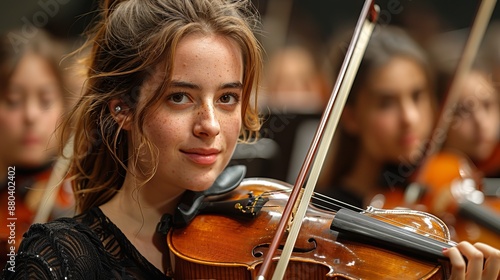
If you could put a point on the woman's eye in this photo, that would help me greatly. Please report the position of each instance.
(13, 100)
(45, 103)
(13, 103)
(229, 98)
(416, 94)
(487, 105)
(47, 98)
(385, 102)
(178, 98)
(462, 111)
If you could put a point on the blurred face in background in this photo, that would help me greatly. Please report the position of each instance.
(294, 82)
(476, 124)
(29, 111)
(393, 112)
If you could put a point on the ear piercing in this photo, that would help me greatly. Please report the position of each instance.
(118, 109)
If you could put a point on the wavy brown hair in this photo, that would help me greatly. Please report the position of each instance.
(132, 40)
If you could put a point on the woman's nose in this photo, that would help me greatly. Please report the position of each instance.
(207, 124)
(32, 110)
(410, 114)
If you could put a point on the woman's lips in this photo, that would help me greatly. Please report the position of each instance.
(202, 156)
(30, 141)
(409, 140)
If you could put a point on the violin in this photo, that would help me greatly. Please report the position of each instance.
(330, 245)
(452, 190)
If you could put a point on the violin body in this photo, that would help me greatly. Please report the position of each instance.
(469, 230)
(229, 248)
(449, 178)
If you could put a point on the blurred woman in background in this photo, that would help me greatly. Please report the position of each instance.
(33, 97)
(386, 121)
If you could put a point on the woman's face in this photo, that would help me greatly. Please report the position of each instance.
(198, 121)
(476, 124)
(29, 113)
(393, 112)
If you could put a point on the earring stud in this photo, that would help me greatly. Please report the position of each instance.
(118, 109)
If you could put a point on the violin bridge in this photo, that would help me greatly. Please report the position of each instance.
(295, 207)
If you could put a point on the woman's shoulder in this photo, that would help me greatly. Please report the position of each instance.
(75, 229)
(59, 230)
(61, 249)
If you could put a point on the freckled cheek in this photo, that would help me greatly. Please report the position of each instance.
(164, 132)
(231, 127)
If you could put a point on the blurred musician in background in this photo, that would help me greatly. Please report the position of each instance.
(33, 96)
(475, 126)
(387, 120)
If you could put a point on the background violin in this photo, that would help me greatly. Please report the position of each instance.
(453, 192)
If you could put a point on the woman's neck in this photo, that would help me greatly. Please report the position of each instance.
(136, 210)
(140, 208)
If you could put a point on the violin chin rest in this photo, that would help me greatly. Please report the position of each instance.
(191, 201)
(227, 181)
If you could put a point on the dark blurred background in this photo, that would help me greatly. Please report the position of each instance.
(316, 20)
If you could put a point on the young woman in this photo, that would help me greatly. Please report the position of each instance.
(33, 98)
(167, 98)
(386, 121)
(475, 129)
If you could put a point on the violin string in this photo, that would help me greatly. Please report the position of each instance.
(329, 201)
(334, 202)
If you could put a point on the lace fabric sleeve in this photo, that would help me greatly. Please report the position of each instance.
(59, 250)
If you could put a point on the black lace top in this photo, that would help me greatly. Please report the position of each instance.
(88, 246)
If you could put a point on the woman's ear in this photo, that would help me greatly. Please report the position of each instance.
(348, 120)
(121, 113)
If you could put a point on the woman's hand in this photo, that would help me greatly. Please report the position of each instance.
(483, 261)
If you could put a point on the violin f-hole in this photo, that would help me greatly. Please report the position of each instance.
(256, 252)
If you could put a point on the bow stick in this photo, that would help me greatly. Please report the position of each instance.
(321, 142)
